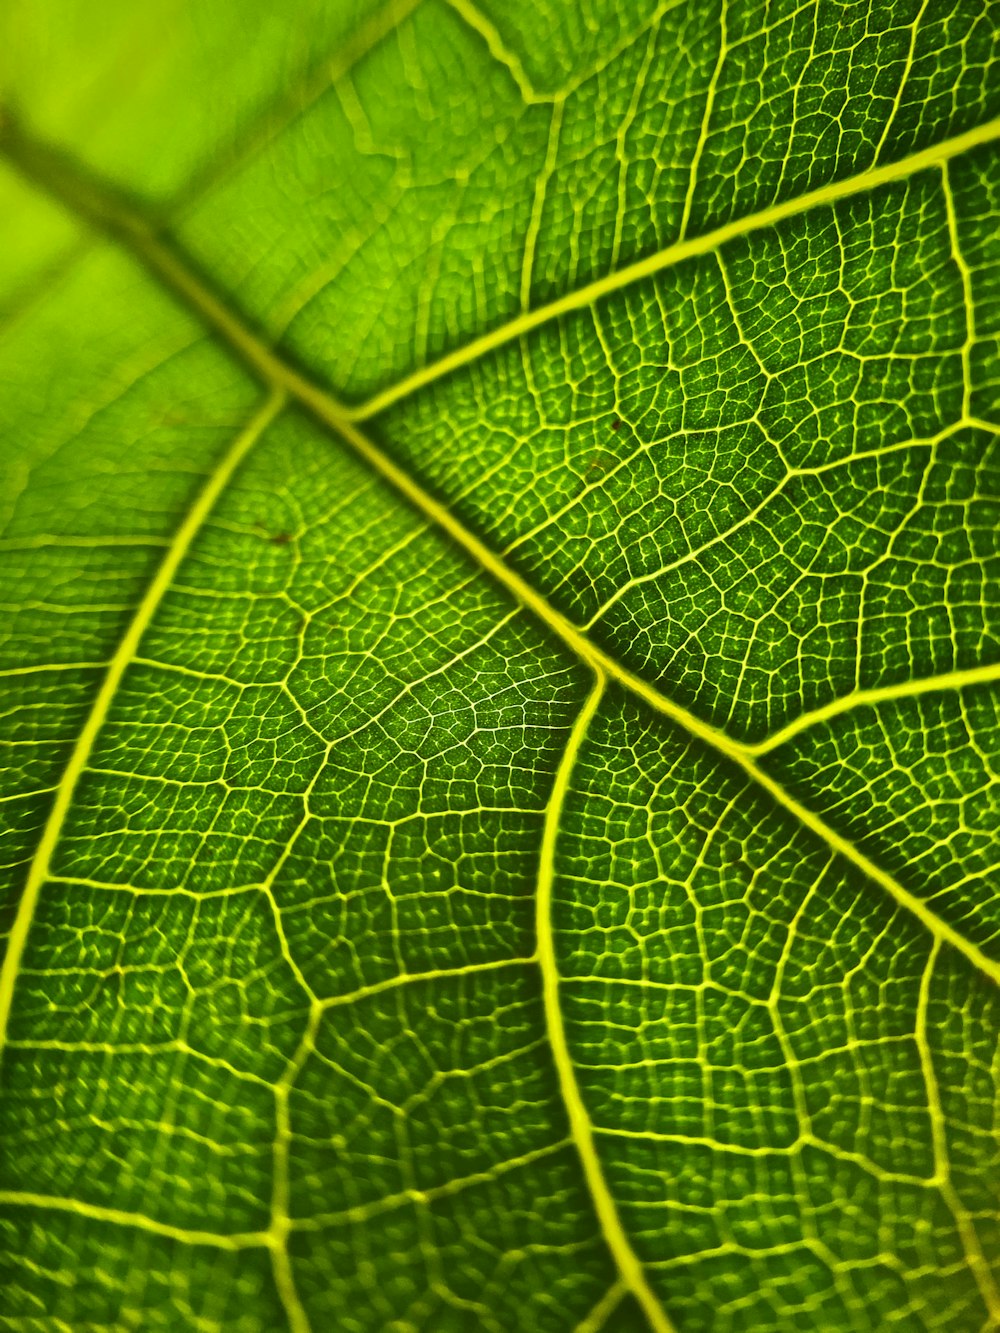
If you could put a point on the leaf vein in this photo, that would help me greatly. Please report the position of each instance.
(39, 869)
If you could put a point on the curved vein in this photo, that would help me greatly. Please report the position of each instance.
(481, 24)
(978, 1262)
(581, 1129)
(38, 871)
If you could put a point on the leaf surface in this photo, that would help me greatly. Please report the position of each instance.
(501, 640)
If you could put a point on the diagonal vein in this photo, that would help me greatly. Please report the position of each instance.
(38, 871)
(672, 255)
(294, 100)
(134, 1221)
(960, 679)
(97, 203)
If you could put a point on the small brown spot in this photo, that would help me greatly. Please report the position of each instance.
(281, 538)
(615, 424)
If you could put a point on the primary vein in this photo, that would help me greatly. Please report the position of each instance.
(53, 172)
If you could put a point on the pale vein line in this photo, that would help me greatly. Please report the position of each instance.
(267, 126)
(60, 177)
(603, 1310)
(45, 541)
(581, 1128)
(46, 668)
(968, 302)
(498, 49)
(292, 103)
(904, 79)
(538, 205)
(39, 869)
(904, 689)
(675, 254)
(706, 119)
(138, 1221)
(364, 1212)
(51, 172)
(409, 978)
(281, 1217)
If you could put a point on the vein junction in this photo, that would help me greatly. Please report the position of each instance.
(285, 382)
(103, 209)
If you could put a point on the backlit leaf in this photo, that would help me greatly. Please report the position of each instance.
(500, 649)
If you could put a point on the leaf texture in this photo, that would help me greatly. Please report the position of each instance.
(501, 637)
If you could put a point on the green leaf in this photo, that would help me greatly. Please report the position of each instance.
(501, 639)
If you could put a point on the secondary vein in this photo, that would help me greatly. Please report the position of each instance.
(136, 1221)
(38, 871)
(581, 1129)
(672, 255)
(960, 679)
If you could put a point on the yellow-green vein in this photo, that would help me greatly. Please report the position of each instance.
(38, 871)
(138, 1221)
(104, 209)
(295, 98)
(979, 1264)
(904, 689)
(674, 254)
(617, 1240)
